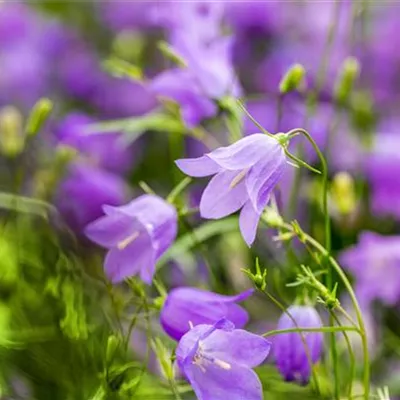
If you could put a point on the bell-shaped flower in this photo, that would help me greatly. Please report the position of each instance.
(291, 355)
(245, 173)
(187, 306)
(218, 360)
(375, 263)
(136, 235)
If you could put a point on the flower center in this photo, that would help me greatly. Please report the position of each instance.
(201, 360)
(125, 242)
(238, 178)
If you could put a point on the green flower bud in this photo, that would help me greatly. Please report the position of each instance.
(343, 193)
(39, 115)
(12, 141)
(345, 82)
(293, 79)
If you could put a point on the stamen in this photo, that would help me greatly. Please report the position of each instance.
(238, 178)
(222, 364)
(190, 324)
(125, 242)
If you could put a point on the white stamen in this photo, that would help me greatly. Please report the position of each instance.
(125, 242)
(222, 364)
(238, 178)
(190, 324)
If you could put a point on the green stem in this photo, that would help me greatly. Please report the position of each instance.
(351, 355)
(347, 284)
(324, 329)
(327, 224)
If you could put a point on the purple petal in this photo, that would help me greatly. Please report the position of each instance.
(184, 305)
(220, 199)
(198, 167)
(237, 347)
(245, 152)
(157, 216)
(248, 222)
(216, 383)
(135, 258)
(111, 229)
(263, 176)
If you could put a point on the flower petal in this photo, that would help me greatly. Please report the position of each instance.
(109, 230)
(198, 167)
(245, 152)
(215, 383)
(263, 176)
(220, 198)
(237, 347)
(190, 305)
(157, 217)
(248, 222)
(135, 258)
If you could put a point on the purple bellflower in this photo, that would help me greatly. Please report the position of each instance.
(186, 305)
(83, 192)
(245, 174)
(136, 235)
(102, 150)
(375, 263)
(290, 353)
(218, 360)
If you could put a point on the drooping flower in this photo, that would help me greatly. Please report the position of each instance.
(290, 353)
(83, 192)
(136, 235)
(186, 305)
(245, 172)
(375, 263)
(102, 150)
(218, 360)
(382, 168)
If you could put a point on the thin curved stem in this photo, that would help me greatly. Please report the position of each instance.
(324, 329)
(351, 355)
(362, 332)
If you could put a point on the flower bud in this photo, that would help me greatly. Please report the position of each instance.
(11, 136)
(293, 79)
(343, 193)
(345, 82)
(291, 355)
(38, 116)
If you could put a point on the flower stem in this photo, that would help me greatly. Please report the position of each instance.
(323, 329)
(362, 332)
(351, 355)
(327, 224)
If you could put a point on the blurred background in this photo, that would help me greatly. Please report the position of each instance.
(135, 85)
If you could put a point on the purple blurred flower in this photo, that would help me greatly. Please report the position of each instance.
(136, 235)
(218, 360)
(199, 21)
(245, 175)
(83, 192)
(17, 21)
(122, 98)
(195, 34)
(187, 305)
(290, 354)
(180, 86)
(375, 262)
(383, 169)
(122, 15)
(103, 150)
